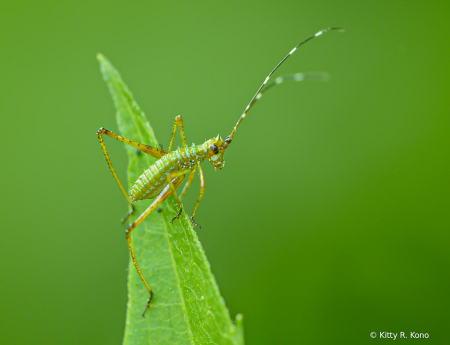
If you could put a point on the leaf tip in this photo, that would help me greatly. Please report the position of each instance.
(100, 57)
(239, 322)
(239, 329)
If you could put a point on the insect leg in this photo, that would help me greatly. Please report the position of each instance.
(170, 177)
(151, 150)
(200, 195)
(108, 160)
(188, 184)
(178, 123)
(158, 201)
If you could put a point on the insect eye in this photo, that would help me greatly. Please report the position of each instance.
(215, 149)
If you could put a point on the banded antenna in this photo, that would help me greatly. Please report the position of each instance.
(258, 93)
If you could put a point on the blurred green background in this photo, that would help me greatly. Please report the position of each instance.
(331, 218)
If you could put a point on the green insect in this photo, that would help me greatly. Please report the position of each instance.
(162, 179)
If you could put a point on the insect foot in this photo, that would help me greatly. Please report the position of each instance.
(128, 215)
(148, 304)
(178, 215)
(194, 224)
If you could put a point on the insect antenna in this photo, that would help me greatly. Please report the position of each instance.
(322, 76)
(259, 92)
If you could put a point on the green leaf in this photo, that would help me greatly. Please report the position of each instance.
(187, 307)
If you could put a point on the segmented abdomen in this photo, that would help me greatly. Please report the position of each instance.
(152, 182)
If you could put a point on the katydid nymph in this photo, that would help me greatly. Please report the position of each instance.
(163, 178)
